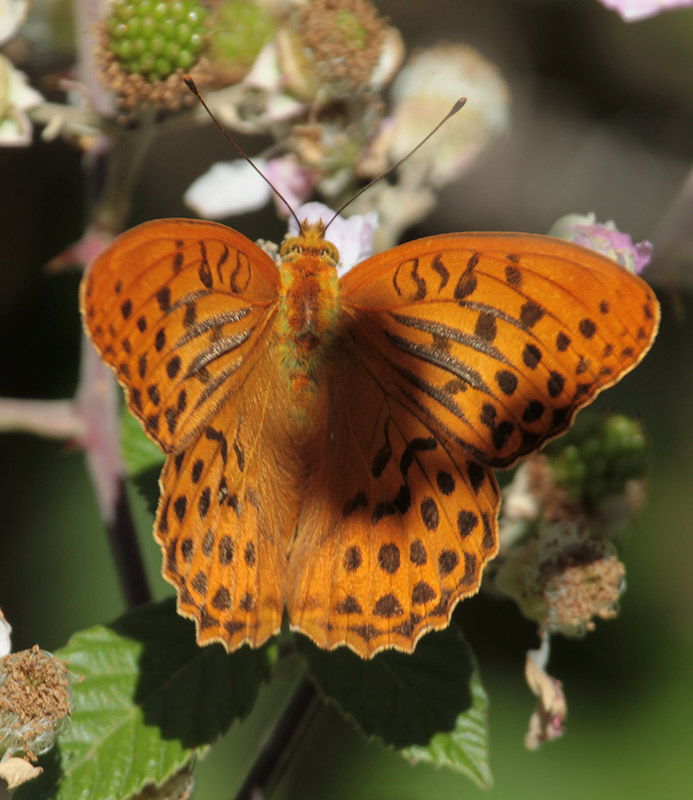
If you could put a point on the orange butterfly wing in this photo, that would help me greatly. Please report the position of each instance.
(499, 337)
(397, 520)
(177, 308)
(457, 353)
(228, 509)
(183, 311)
(375, 514)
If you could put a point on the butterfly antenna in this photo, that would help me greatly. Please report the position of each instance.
(190, 83)
(456, 107)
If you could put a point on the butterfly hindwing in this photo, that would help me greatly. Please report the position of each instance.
(396, 524)
(228, 508)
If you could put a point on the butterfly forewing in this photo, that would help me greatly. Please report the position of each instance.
(498, 339)
(178, 308)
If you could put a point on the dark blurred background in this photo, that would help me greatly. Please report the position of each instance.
(602, 121)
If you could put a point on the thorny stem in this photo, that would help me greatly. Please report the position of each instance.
(274, 756)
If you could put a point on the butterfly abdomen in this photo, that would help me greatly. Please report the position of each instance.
(308, 311)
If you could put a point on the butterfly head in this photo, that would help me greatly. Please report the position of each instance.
(309, 242)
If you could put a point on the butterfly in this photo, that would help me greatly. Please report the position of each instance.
(330, 443)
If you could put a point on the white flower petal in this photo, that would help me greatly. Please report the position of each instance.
(425, 90)
(631, 10)
(390, 59)
(228, 188)
(265, 73)
(12, 14)
(16, 97)
(310, 212)
(5, 631)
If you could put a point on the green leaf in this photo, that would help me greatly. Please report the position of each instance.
(139, 451)
(146, 700)
(143, 459)
(430, 705)
(464, 749)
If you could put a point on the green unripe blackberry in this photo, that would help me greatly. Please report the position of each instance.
(154, 39)
(241, 29)
(598, 457)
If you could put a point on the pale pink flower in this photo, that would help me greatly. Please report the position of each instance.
(633, 10)
(604, 238)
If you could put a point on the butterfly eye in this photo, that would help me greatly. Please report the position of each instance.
(329, 251)
(288, 247)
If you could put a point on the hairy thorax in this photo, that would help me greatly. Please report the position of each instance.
(309, 309)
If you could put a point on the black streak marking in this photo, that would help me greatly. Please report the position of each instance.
(429, 513)
(513, 275)
(442, 360)
(173, 367)
(445, 482)
(531, 356)
(438, 266)
(359, 500)
(416, 445)
(205, 271)
(587, 328)
(383, 456)
(438, 330)
(555, 384)
(530, 314)
(485, 327)
(163, 298)
(242, 263)
(562, 342)
(217, 349)
(213, 323)
(222, 260)
(413, 266)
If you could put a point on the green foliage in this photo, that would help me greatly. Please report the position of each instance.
(143, 459)
(598, 456)
(147, 700)
(464, 748)
(139, 451)
(430, 705)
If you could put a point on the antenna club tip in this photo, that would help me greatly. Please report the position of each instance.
(458, 105)
(190, 83)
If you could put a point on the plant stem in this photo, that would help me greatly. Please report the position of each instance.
(122, 537)
(274, 756)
